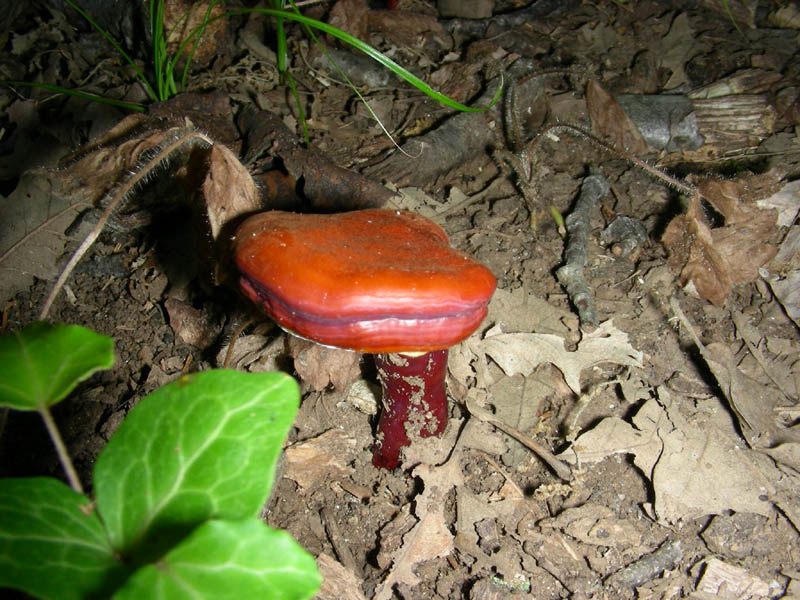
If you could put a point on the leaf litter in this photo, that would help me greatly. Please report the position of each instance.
(669, 438)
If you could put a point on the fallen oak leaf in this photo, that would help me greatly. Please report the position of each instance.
(697, 466)
(523, 352)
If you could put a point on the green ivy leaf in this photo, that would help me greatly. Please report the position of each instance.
(229, 559)
(200, 448)
(52, 544)
(43, 363)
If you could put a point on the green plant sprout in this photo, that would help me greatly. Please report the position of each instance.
(163, 65)
(177, 489)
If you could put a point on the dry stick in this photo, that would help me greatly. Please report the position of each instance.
(560, 468)
(648, 567)
(139, 176)
(571, 274)
(338, 541)
(679, 185)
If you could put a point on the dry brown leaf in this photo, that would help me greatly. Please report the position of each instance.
(255, 353)
(392, 535)
(195, 326)
(228, 190)
(690, 244)
(517, 401)
(311, 460)
(787, 291)
(183, 18)
(609, 121)
(33, 219)
(518, 310)
(471, 509)
(675, 49)
(787, 17)
(405, 28)
(430, 538)
(338, 582)
(786, 201)
(714, 260)
(753, 402)
(692, 253)
(697, 467)
(320, 366)
(350, 16)
(611, 436)
(597, 525)
(523, 352)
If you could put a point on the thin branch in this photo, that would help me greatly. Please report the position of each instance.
(571, 274)
(679, 185)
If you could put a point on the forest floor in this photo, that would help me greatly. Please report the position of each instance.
(673, 414)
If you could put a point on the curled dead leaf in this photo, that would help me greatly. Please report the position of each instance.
(716, 259)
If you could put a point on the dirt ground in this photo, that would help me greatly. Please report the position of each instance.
(672, 413)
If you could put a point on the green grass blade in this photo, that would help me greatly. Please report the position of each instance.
(199, 448)
(229, 559)
(353, 87)
(159, 48)
(139, 75)
(52, 543)
(194, 37)
(301, 113)
(369, 51)
(43, 363)
(77, 93)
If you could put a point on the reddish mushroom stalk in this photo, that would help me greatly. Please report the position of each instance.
(380, 281)
(414, 401)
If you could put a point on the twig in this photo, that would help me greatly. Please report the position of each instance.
(559, 468)
(337, 541)
(624, 234)
(139, 175)
(571, 274)
(648, 567)
(679, 185)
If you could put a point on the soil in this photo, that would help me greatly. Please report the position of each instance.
(694, 346)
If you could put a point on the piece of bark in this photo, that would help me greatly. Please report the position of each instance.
(731, 122)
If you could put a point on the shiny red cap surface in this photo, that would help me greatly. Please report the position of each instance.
(370, 280)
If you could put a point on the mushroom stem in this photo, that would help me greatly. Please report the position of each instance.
(414, 402)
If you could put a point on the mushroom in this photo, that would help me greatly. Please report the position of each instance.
(378, 281)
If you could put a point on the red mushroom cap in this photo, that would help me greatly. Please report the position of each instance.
(369, 280)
